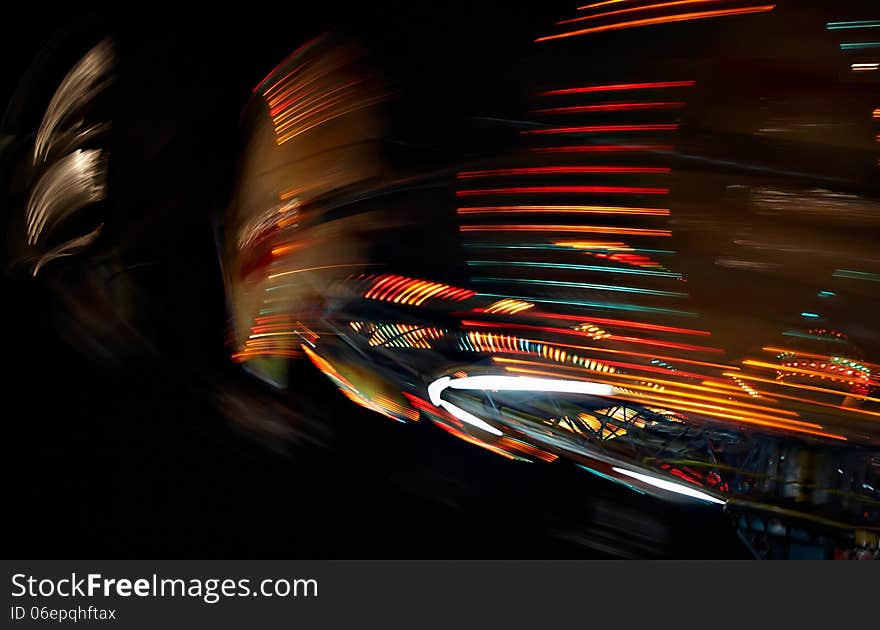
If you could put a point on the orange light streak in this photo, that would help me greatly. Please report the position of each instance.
(647, 7)
(682, 17)
(818, 357)
(705, 409)
(596, 229)
(811, 388)
(855, 376)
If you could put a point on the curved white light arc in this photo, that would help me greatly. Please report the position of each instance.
(492, 382)
(669, 485)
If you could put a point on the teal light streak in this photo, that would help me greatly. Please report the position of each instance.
(806, 314)
(610, 478)
(826, 294)
(543, 265)
(838, 26)
(856, 275)
(584, 285)
(859, 45)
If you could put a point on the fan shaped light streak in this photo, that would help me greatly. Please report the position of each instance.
(89, 77)
(507, 306)
(69, 184)
(666, 19)
(413, 292)
(669, 486)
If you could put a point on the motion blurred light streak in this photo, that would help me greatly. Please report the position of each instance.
(624, 324)
(561, 170)
(572, 267)
(508, 306)
(591, 245)
(584, 285)
(567, 331)
(319, 268)
(836, 26)
(859, 45)
(619, 87)
(564, 190)
(615, 306)
(682, 17)
(601, 4)
(400, 289)
(856, 275)
(670, 486)
(721, 412)
(659, 212)
(596, 229)
(73, 182)
(611, 107)
(645, 7)
(601, 129)
(821, 390)
(605, 148)
(89, 77)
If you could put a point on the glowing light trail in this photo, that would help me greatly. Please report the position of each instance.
(667, 19)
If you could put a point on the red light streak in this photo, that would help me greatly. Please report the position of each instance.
(666, 344)
(620, 87)
(611, 107)
(286, 59)
(600, 129)
(562, 170)
(604, 148)
(529, 190)
(622, 323)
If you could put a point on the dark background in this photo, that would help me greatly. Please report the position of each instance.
(148, 455)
